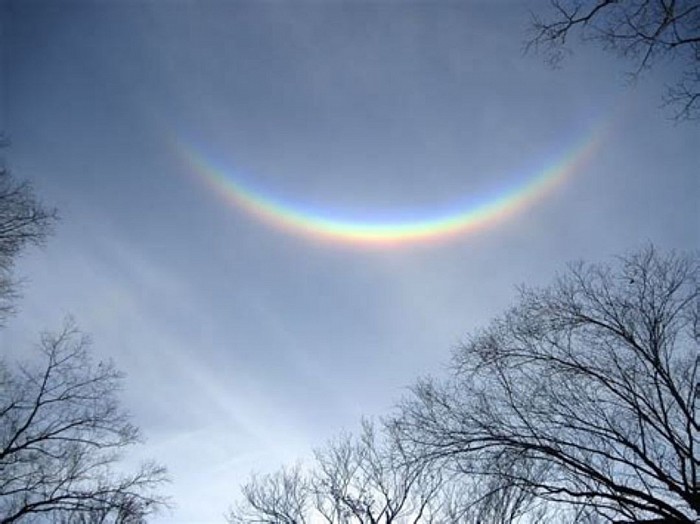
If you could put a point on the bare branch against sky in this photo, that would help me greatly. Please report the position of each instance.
(592, 383)
(276, 215)
(62, 433)
(646, 32)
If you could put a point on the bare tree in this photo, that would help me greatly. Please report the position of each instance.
(23, 221)
(370, 480)
(584, 394)
(362, 480)
(62, 434)
(283, 497)
(644, 31)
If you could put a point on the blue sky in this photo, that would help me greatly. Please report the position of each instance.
(246, 345)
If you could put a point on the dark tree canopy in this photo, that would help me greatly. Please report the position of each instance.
(647, 32)
(584, 394)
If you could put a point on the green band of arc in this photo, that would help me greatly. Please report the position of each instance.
(328, 225)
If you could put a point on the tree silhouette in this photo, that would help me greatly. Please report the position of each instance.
(584, 394)
(646, 32)
(579, 405)
(370, 479)
(62, 433)
(362, 480)
(23, 221)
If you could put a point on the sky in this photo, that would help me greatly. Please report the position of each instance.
(275, 216)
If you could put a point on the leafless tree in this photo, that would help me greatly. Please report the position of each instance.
(62, 434)
(23, 221)
(645, 31)
(283, 497)
(362, 480)
(584, 394)
(370, 480)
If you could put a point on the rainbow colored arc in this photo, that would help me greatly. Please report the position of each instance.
(327, 224)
